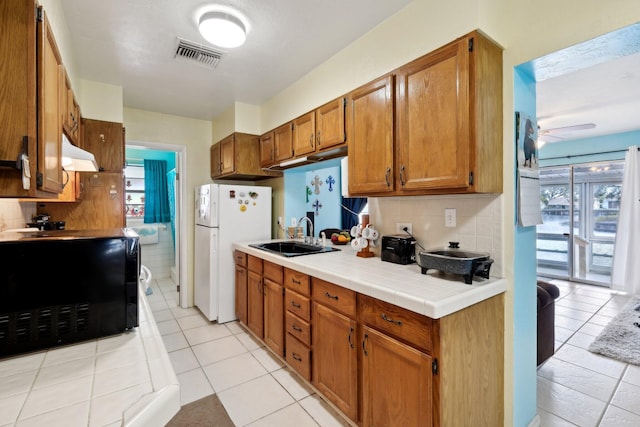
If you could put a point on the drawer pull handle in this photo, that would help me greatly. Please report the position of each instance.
(386, 177)
(297, 282)
(295, 304)
(350, 332)
(296, 357)
(364, 344)
(390, 320)
(335, 297)
(296, 328)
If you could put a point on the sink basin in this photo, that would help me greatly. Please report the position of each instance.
(292, 248)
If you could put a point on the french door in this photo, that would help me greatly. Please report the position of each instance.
(580, 206)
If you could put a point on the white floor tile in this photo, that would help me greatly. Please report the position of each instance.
(581, 340)
(162, 315)
(235, 327)
(322, 413)
(57, 396)
(568, 323)
(578, 378)
(233, 371)
(618, 417)
(109, 408)
(291, 416)
(591, 329)
(19, 364)
(193, 386)
(168, 327)
(600, 319)
(572, 313)
(632, 375)
(10, 408)
(547, 419)
(50, 375)
(268, 360)
(115, 359)
(66, 354)
(214, 351)
(175, 341)
(576, 305)
(193, 321)
(117, 379)
(183, 360)
(75, 415)
(594, 362)
(206, 333)
(179, 312)
(292, 383)
(17, 384)
(255, 399)
(248, 341)
(627, 396)
(569, 404)
(562, 334)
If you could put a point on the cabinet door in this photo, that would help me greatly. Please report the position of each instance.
(283, 142)
(241, 294)
(433, 120)
(396, 382)
(370, 138)
(330, 130)
(274, 316)
(304, 129)
(18, 107)
(335, 358)
(216, 164)
(267, 155)
(227, 155)
(255, 309)
(50, 119)
(106, 141)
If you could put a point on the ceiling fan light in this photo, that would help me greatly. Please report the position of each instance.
(222, 29)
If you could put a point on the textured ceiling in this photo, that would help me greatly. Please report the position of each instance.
(131, 43)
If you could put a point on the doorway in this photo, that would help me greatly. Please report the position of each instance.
(178, 272)
(575, 241)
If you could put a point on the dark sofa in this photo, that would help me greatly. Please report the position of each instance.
(547, 294)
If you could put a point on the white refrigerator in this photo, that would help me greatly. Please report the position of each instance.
(225, 214)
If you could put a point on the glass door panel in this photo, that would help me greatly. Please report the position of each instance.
(553, 234)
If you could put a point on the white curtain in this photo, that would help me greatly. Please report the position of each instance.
(626, 253)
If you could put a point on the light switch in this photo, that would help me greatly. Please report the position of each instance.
(450, 217)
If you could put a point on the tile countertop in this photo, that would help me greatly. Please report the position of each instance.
(433, 294)
(119, 380)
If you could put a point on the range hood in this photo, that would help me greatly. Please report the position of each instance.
(311, 158)
(76, 159)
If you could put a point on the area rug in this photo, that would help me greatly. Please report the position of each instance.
(206, 412)
(620, 339)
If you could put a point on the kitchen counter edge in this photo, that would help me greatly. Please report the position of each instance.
(433, 295)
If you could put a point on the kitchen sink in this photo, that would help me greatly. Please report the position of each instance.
(292, 248)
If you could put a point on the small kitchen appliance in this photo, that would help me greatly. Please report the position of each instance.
(454, 260)
(398, 249)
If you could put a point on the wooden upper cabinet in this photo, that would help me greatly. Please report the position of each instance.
(267, 154)
(105, 140)
(304, 134)
(283, 142)
(50, 85)
(70, 111)
(18, 120)
(370, 137)
(238, 157)
(330, 124)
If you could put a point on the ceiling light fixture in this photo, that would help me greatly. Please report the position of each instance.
(222, 29)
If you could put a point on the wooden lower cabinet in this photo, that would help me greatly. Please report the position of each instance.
(335, 358)
(274, 316)
(255, 297)
(241, 294)
(396, 382)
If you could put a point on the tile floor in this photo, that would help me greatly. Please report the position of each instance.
(255, 388)
(575, 386)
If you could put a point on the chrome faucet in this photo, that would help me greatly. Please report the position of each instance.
(308, 239)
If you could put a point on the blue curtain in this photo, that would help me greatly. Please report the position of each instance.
(353, 204)
(156, 193)
(171, 180)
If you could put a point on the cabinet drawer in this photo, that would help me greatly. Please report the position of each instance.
(334, 296)
(296, 281)
(273, 271)
(405, 325)
(254, 263)
(298, 356)
(297, 304)
(240, 258)
(298, 328)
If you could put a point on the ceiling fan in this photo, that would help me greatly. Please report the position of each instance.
(555, 134)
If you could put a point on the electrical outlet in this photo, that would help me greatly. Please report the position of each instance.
(401, 225)
(450, 217)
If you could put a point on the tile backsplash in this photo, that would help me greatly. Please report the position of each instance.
(14, 214)
(478, 221)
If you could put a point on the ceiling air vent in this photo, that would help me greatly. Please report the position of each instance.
(196, 52)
